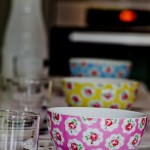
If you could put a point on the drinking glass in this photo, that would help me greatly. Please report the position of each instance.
(28, 94)
(19, 130)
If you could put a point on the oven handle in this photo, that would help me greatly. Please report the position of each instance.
(135, 39)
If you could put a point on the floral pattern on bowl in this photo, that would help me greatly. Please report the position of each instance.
(98, 94)
(83, 133)
(100, 68)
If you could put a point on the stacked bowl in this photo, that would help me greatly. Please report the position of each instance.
(100, 92)
(88, 67)
(100, 83)
(97, 92)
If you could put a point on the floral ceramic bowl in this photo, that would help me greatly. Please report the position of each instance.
(88, 67)
(96, 92)
(84, 128)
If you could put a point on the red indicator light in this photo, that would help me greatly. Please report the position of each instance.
(127, 16)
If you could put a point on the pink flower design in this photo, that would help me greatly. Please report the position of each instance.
(94, 73)
(108, 95)
(129, 125)
(72, 126)
(88, 121)
(58, 136)
(108, 70)
(74, 144)
(69, 86)
(92, 137)
(56, 118)
(109, 124)
(75, 99)
(95, 103)
(134, 141)
(88, 91)
(142, 123)
(115, 141)
(124, 96)
(114, 106)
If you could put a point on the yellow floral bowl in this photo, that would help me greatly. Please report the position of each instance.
(100, 92)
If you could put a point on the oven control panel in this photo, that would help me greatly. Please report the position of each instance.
(118, 17)
(82, 13)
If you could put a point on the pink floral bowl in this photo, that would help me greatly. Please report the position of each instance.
(100, 92)
(84, 128)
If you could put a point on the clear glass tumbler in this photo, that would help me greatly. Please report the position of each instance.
(31, 95)
(19, 130)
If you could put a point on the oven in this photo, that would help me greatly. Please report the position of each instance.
(121, 33)
(74, 13)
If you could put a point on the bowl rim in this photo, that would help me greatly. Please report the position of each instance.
(99, 80)
(101, 113)
(100, 61)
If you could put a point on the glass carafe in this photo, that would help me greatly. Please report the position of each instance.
(25, 38)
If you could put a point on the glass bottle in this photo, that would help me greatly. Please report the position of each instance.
(25, 43)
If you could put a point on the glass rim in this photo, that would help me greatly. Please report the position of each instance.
(19, 113)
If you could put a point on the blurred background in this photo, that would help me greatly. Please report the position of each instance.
(115, 29)
(38, 38)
